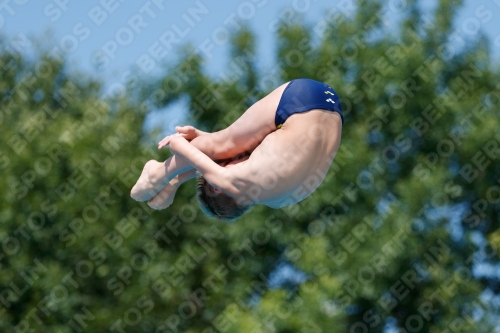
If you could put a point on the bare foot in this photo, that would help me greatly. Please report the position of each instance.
(149, 183)
(164, 198)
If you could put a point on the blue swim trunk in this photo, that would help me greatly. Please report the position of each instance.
(302, 95)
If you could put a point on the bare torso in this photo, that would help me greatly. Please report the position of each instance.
(291, 162)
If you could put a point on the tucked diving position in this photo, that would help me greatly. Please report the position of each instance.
(276, 154)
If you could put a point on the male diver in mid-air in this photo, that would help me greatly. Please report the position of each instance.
(276, 154)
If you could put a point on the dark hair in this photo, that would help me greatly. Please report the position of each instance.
(218, 204)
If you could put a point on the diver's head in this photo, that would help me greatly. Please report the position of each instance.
(216, 203)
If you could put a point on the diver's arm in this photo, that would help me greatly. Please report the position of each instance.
(216, 175)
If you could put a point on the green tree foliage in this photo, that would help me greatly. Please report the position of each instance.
(393, 238)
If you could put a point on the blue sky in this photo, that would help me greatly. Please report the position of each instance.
(107, 37)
